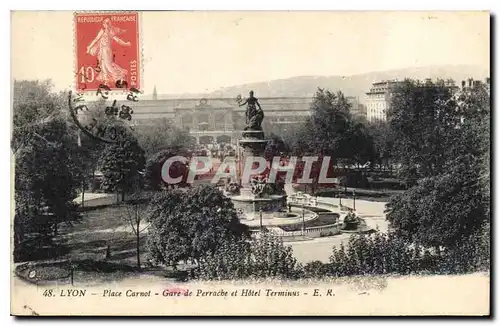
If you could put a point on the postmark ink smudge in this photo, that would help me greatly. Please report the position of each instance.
(104, 128)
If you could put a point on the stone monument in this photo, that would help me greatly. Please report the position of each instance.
(256, 198)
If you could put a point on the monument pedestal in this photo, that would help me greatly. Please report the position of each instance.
(252, 205)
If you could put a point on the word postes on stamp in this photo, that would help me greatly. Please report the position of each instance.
(107, 51)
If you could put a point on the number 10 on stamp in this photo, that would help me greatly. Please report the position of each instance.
(107, 50)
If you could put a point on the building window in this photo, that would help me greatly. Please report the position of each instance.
(220, 123)
(203, 117)
(187, 121)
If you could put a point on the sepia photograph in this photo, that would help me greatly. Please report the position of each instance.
(250, 163)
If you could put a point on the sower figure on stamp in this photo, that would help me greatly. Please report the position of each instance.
(100, 47)
(254, 114)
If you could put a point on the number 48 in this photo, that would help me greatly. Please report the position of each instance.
(87, 74)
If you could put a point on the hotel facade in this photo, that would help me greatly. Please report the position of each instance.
(378, 99)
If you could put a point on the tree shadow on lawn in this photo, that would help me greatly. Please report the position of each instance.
(122, 247)
(101, 219)
(37, 251)
(126, 250)
(87, 239)
(92, 267)
(99, 229)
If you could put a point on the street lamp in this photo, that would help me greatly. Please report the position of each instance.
(303, 221)
(260, 216)
(254, 210)
(354, 199)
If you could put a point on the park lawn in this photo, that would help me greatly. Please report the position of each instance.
(98, 228)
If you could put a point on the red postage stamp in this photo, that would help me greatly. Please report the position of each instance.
(107, 51)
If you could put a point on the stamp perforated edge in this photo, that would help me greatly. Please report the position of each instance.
(140, 53)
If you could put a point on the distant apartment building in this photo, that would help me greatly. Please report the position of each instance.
(378, 99)
(470, 84)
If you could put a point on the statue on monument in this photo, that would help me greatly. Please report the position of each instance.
(254, 114)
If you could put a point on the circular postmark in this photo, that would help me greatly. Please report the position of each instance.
(105, 118)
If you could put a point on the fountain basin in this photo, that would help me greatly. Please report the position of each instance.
(249, 205)
(278, 218)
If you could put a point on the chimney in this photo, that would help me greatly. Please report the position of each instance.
(487, 80)
(470, 81)
(463, 83)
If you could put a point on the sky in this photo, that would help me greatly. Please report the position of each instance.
(193, 52)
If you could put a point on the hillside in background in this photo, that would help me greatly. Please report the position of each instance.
(355, 85)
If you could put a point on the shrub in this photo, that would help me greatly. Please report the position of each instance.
(231, 261)
(315, 269)
(262, 257)
(390, 254)
(373, 254)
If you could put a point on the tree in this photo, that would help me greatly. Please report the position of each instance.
(47, 172)
(154, 165)
(473, 141)
(136, 209)
(90, 149)
(424, 120)
(447, 205)
(275, 147)
(89, 153)
(163, 135)
(47, 169)
(329, 125)
(122, 164)
(383, 142)
(439, 211)
(361, 143)
(186, 225)
(333, 131)
(284, 135)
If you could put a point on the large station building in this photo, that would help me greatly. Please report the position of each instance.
(221, 120)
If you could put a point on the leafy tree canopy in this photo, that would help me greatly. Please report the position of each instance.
(122, 164)
(189, 224)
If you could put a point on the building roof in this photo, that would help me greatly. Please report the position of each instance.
(281, 104)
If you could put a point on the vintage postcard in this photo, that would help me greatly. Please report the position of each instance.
(250, 163)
